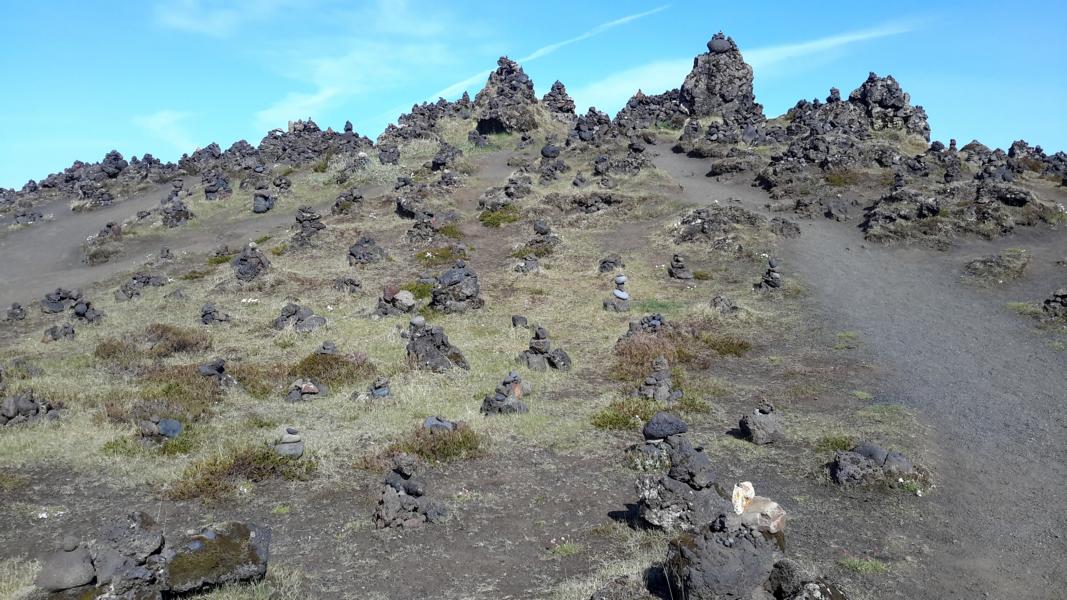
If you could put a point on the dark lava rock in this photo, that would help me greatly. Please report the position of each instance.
(662, 425)
(428, 348)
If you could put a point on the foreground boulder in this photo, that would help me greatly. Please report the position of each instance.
(133, 559)
(428, 348)
(719, 561)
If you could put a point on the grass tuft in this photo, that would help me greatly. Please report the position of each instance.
(333, 370)
(500, 217)
(864, 566)
(217, 477)
(624, 414)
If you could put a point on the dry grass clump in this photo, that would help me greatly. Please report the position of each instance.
(260, 380)
(624, 414)
(180, 391)
(334, 369)
(217, 477)
(462, 443)
(634, 355)
(158, 341)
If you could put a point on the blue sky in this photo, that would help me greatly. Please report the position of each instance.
(81, 78)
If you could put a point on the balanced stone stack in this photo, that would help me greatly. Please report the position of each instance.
(174, 213)
(210, 314)
(403, 502)
(15, 313)
(395, 301)
(428, 348)
(649, 324)
(772, 278)
(26, 407)
(132, 287)
(507, 398)
(653, 454)
(290, 444)
(559, 103)
(457, 290)
(678, 268)
(304, 390)
(216, 185)
(308, 225)
(541, 356)
(685, 497)
(365, 251)
(658, 386)
(544, 240)
(620, 298)
(1055, 306)
(56, 333)
(249, 263)
(721, 84)
(761, 426)
(301, 318)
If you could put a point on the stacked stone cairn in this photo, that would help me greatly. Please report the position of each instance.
(308, 225)
(210, 315)
(507, 398)
(428, 348)
(620, 298)
(27, 407)
(457, 290)
(301, 318)
(678, 269)
(658, 386)
(249, 263)
(403, 502)
(540, 355)
(761, 426)
(772, 278)
(289, 443)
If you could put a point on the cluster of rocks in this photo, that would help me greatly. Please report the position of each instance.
(761, 426)
(507, 398)
(210, 315)
(559, 103)
(541, 356)
(16, 312)
(868, 463)
(403, 502)
(56, 333)
(395, 301)
(347, 285)
(507, 102)
(428, 348)
(27, 407)
(289, 443)
(174, 212)
(157, 430)
(216, 185)
(658, 385)
(304, 390)
(620, 298)
(365, 251)
(610, 263)
(652, 324)
(594, 127)
(725, 305)
(685, 498)
(772, 278)
(308, 225)
(301, 318)
(586, 203)
(379, 389)
(60, 300)
(249, 263)
(1055, 306)
(347, 202)
(457, 290)
(304, 142)
(131, 288)
(263, 201)
(678, 268)
(420, 123)
(134, 558)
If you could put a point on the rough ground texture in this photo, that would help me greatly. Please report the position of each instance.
(821, 262)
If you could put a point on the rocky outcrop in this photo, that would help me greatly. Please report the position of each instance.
(507, 103)
(558, 103)
(720, 84)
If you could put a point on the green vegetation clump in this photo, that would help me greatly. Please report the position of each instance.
(193, 275)
(421, 291)
(333, 369)
(184, 392)
(500, 217)
(440, 446)
(451, 231)
(436, 257)
(219, 259)
(835, 443)
(217, 477)
(260, 380)
(864, 566)
(624, 414)
(842, 178)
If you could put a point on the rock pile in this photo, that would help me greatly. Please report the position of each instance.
(1055, 306)
(592, 128)
(685, 498)
(620, 298)
(658, 385)
(15, 313)
(289, 443)
(379, 389)
(772, 278)
(347, 202)
(59, 301)
(678, 269)
(365, 251)
(132, 287)
(135, 559)
(56, 333)
(612, 262)
(457, 290)
(216, 185)
(249, 263)
(174, 212)
(263, 201)
(506, 104)
(725, 305)
(308, 225)
(721, 84)
(27, 407)
(507, 398)
(403, 502)
(528, 264)
(301, 318)
(347, 285)
(84, 311)
(428, 348)
(869, 463)
(158, 430)
(210, 314)
(761, 426)
(541, 355)
(558, 102)
(304, 390)
(395, 301)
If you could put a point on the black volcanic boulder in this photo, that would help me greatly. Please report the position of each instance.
(250, 263)
(428, 348)
(719, 562)
(721, 83)
(457, 290)
(506, 104)
(365, 251)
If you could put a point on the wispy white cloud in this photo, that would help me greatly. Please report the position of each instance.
(167, 126)
(213, 18)
(458, 87)
(611, 92)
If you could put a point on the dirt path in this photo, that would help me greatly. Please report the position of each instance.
(989, 386)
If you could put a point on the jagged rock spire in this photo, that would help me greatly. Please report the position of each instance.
(506, 103)
(721, 84)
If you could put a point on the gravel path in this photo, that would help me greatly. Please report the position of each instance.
(990, 388)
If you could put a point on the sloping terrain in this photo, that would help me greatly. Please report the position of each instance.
(801, 280)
